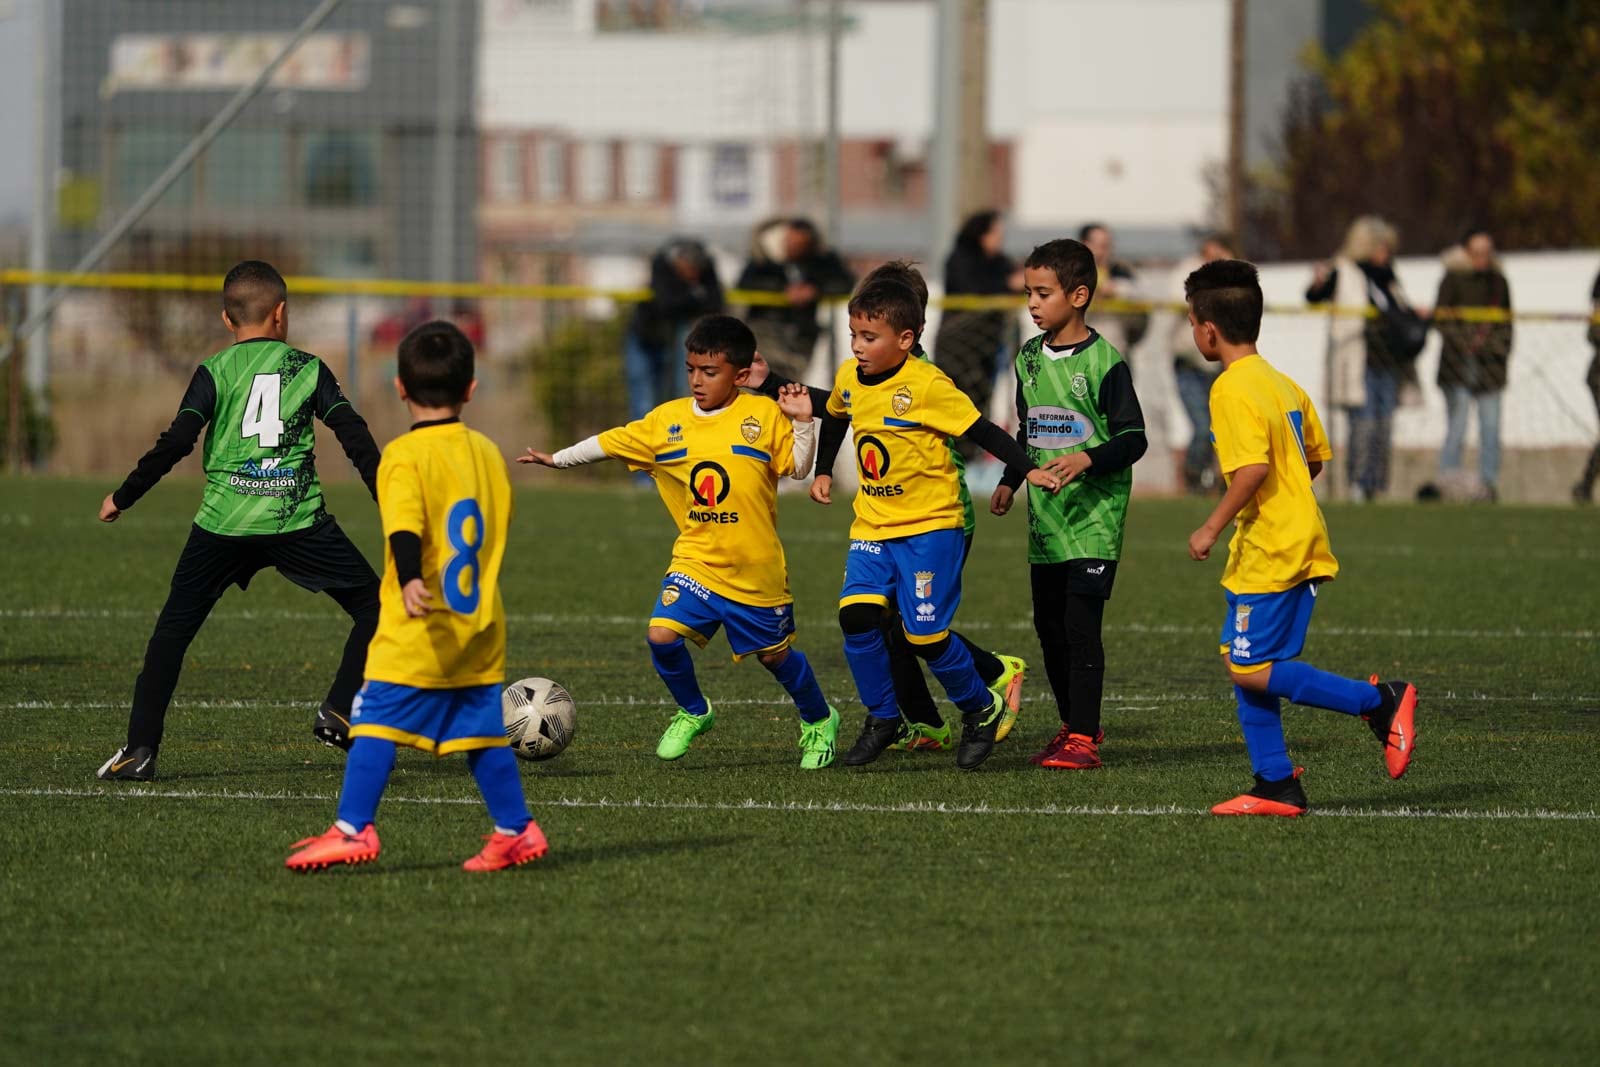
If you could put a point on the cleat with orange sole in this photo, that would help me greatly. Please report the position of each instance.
(1399, 732)
(1009, 686)
(506, 850)
(1080, 753)
(334, 847)
(1285, 799)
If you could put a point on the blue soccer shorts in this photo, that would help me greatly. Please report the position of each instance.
(1264, 628)
(688, 608)
(920, 575)
(440, 721)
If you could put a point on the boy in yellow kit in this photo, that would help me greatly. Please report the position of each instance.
(435, 667)
(1271, 446)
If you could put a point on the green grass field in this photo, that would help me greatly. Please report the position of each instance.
(731, 908)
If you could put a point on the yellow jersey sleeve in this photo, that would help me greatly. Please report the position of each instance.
(633, 443)
(1241, 434)
(948, 410)
(1318, 450)
(402, 503)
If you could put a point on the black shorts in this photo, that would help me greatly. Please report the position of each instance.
(320, 557)
(1078, 577)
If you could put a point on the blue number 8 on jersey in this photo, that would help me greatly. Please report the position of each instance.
(464, 530)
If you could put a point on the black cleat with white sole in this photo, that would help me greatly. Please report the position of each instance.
(331, 728)
(129, 765)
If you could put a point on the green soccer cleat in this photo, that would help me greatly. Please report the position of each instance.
(926, 738)
(682, 731)
(818, 741)
(1009, 685)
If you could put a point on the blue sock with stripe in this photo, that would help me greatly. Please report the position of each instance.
(868, 657)
(501, 785)
(1263, 734)
(1304, 684)
(676, 668)
(800, 682)
(959, 676)
(366, 772)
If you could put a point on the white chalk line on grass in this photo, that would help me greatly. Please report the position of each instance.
(843, 807)
(638, 620)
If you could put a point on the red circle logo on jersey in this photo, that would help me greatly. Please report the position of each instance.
(709, 484)
(872, 458)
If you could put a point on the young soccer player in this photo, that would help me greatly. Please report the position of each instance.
(436, 664)
(1271, 446)
(716, 457)
(922, 728)
(262, 506)
(1078, 415)
(907, 545)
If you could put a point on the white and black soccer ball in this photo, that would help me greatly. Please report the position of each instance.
(540, 718)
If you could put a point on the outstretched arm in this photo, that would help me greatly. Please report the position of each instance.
(340, 416)
(1002, 446)
(176, 441)
(586, 451)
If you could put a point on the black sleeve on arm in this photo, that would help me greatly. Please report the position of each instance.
(1124, 421)
(775, 381)
(829, 441)
(176, 441)
(999, 444)
(1012, 478)
(1321, 293)
(406, 547)
(340, 416)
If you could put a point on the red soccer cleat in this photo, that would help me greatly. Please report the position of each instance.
(333, 847)
(1080, 753)
(1057, 743)
(1284, 799)
(1395, 724)
(506, 850)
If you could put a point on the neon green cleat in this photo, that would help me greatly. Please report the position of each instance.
(925, 738)
(682, 731)
(818, 741)
(1009, 685)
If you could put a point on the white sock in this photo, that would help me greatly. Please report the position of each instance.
(346, 827)
(508, 833)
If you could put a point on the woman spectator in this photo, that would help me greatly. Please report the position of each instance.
(1473, 358)
(1368, 364)
(683, 287)
(789, 258)
(970, 343)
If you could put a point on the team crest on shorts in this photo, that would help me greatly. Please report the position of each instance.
(751, 428)
(901, 401)
(1241, 618)
(1080, 386)
(669, 595)
(924, 584)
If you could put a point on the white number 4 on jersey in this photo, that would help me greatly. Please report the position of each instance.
(262, 419)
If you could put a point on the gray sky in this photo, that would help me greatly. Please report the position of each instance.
(17, 92)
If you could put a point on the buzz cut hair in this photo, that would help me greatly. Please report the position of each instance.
(1227, 294)
(251, 290)
(1071, 262)
(892, 301)
(722, 335)
(436, 365)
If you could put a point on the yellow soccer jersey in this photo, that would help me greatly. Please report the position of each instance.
(718, 476)
(1259, 415)
(448, 485)
(909, 483)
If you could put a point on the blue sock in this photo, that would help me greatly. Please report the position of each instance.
(868, 657)
(798, 679)
(1304, 684)
(676, 668)
(1263, 734)
(959, 676)
(366, 772)
(501, 785)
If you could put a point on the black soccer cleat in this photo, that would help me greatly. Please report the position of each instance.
(978, 730)
(876, 737)
(331, 728)
(1285, 797)
(129, 765)
(1394, 724)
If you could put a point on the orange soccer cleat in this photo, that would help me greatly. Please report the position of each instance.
(1079, 753)
(1395, 724)
(335, 846)
(1284, 798)
(508, 850)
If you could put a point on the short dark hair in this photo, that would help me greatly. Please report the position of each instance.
(892, 301)
(1227, 294)
(1089, 227)
(250, 292)
(1071, 261)
(723, 335)
(436, 364)
(903, 271)
(1475, 230)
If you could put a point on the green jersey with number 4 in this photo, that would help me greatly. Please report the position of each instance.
(261, 475)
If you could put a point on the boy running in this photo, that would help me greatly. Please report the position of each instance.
(716, 457)
(262, 506)
(1271, 446)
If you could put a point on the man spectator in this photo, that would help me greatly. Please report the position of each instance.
(804, 271)
(683, 287)
(1193, 375)
(1122, 329)
(1473, 357)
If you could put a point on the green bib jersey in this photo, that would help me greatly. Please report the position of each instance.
(1073, 399)
(969, 517)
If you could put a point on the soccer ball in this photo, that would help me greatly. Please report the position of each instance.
(540, 718)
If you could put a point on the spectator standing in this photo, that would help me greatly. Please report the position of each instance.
(1192, 374)
(970, 343)
(1474, 357)
(1121, 329)
(1583, 492)
(683, 287)
(804, 270)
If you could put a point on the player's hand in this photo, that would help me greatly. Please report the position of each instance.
(794, 400)
(1000, 502)
(1045, 479)
(758, 372)
(1069, 466)
(1200, 543)
(417, 599)
(543, 459)
(822, 489)
(109, 511)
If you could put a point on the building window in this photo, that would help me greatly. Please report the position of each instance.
(505, 170)
(594, 172)
(341, 170)
(641, 172)
(730, 175)
(141, 156)
(247, 168)
(550, 164)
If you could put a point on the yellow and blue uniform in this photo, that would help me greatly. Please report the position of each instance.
(907, 541)
(1280, 550)
(434, 682)
(717, 473)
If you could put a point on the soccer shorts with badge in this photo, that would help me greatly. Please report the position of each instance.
(920, 576)
(689, 609)
(440, 721)
(1264, 628)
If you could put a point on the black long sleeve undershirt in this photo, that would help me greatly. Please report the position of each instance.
(340, 416)
(1124, 421)
(176, 441)
(1001, 445)
(406, 547)
(832, 428)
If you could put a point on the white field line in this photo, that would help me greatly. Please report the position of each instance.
(820, 622)
(916, 807)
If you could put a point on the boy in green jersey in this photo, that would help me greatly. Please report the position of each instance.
(262, 505)
(1079, 417)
